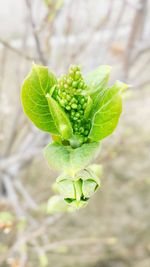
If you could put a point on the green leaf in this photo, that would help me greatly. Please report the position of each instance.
(97, 80)
(69, 160)
(97, 169)
(57, 156)
(66, 187)
(60, 118)
(90, 182)
(34, 101)
(88, 188)
(107, 113)
(88, 174)
(83, 155)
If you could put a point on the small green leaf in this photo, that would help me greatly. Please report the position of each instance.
(88, 188)
(66, 187)
(88, 174)
(70, 160)
(57, 156)
(60, 118)
(34, 101)
(97, 169)
(97, 80)
(90, 182)
(108, 112)
(82, 156)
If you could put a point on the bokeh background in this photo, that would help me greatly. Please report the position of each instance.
(114, 229)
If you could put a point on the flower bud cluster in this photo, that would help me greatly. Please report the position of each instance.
(71, 94)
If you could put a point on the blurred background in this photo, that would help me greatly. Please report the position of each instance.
(114, 229)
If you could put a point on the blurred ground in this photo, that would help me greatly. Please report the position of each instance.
(114, 229)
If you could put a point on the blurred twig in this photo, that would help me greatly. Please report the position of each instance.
(12, 196)
(35, 34)
(18, 158)
(15, 50)
(28, 199)
(134, 34)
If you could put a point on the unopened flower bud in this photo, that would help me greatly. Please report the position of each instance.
(77, 191)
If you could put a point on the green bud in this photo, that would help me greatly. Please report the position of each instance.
(62, 102)
(68, 107)
(78, 91)
(68, 97)
(82, 101)
(79, 107)
(76, 191)
(81, 129)
(77, 75)
(65, 85)
(69, 81)
(71, 73)
(75, 118)
(81, 112)
(76, 129)
(77, 115)
(74, 106)
(81, 84)
(73, 100)
(72, 97)
(72, 112)
(74, 84)
(64, 94)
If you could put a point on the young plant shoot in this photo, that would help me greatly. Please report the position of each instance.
(78, 111)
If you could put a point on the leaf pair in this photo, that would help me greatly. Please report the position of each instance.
(69, 160)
